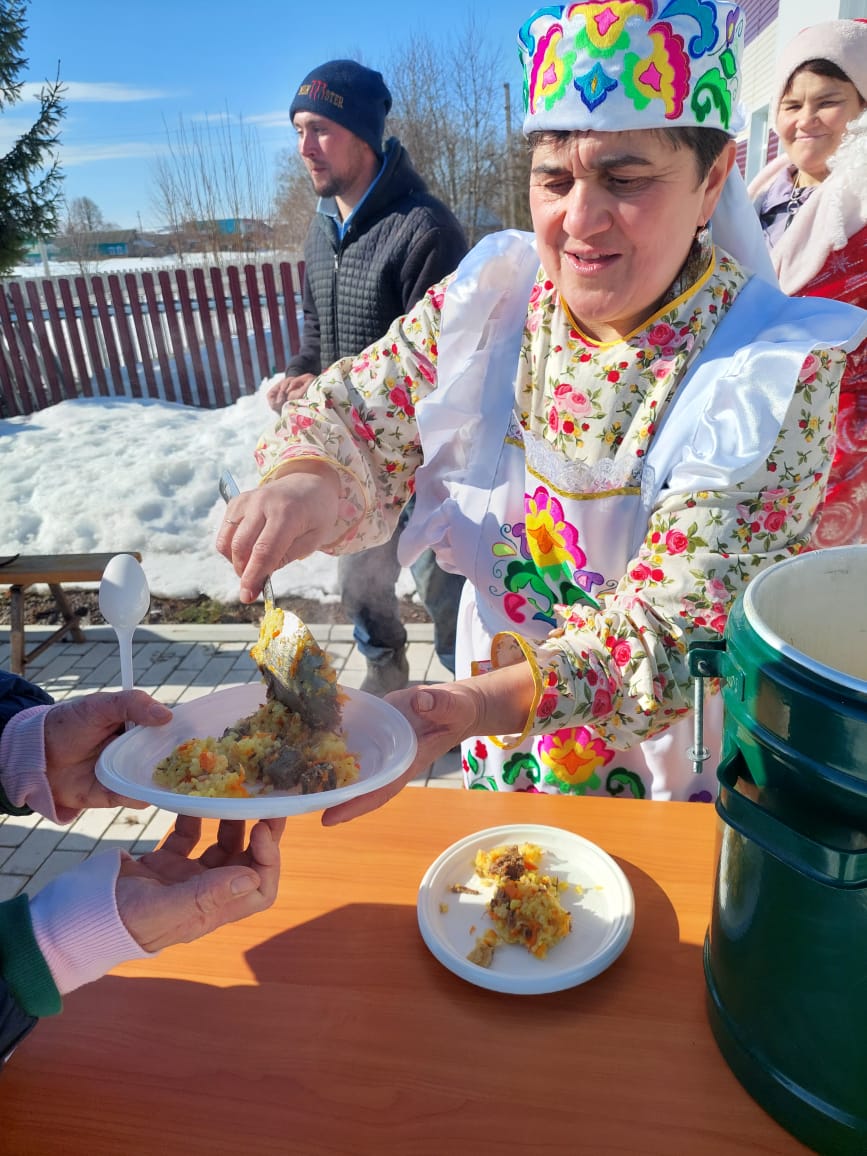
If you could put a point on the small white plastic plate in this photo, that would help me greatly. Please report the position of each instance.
(378, 734)
(598, 896)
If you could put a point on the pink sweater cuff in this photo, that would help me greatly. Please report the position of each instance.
(77, 925)
(22, 765)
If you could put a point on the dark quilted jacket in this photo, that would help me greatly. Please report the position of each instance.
(400, 241)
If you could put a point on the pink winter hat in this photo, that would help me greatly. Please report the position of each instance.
(843, 42)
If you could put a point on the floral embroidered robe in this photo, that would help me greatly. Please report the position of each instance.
(611, 670)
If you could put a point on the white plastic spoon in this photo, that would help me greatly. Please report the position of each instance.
(124, 599)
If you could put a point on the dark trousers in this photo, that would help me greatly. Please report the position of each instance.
(367, 591)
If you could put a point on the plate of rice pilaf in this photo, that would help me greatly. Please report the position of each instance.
(525, 909)
(170, 766)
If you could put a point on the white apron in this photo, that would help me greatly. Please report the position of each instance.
(481, 468)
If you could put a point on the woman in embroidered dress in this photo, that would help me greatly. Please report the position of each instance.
(606, 423)
(812, 203)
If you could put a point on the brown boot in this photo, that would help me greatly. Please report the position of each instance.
(388, 674)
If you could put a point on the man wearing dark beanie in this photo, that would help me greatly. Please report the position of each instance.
(378, 241)
(349, 94)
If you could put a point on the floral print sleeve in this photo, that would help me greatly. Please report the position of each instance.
(360, 415)
(622, 668)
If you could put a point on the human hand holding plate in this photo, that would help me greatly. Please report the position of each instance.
(74, 734)
(440, 717)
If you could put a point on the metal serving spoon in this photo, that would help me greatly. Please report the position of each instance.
(296, 669)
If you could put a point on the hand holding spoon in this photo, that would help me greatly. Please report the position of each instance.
(296, 669)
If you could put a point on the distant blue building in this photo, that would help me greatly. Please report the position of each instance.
(233, 226)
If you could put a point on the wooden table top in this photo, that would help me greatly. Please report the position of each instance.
(324, 1025)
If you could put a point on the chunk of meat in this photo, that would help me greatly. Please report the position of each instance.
(510, 864)
(288, 770)
(318, 777)
(284, 768)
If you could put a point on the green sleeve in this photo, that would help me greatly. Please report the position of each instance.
(22, 964)
(6, 807)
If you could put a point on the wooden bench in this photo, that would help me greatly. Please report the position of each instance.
(52, 570)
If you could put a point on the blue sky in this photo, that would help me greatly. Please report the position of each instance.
(133, 68)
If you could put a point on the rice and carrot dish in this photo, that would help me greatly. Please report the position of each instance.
(272, 749)
(525, 907)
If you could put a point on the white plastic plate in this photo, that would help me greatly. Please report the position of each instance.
(603, 912)
(378, 734)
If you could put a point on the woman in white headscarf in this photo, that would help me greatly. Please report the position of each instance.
(606, 423)
(812, 203)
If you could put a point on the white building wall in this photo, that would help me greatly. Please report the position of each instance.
(760, 58)
(759, 61)
(797, 14)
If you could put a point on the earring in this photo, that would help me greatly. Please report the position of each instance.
(702, 234)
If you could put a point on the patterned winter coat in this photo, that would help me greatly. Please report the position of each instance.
(823, 253)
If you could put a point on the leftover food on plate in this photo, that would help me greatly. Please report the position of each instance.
(585, 912)
(483, 951)
(272, 749)
(525, 906)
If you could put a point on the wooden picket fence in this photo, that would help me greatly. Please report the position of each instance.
(203, 337)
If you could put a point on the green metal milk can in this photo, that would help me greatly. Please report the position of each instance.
(786, 953)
